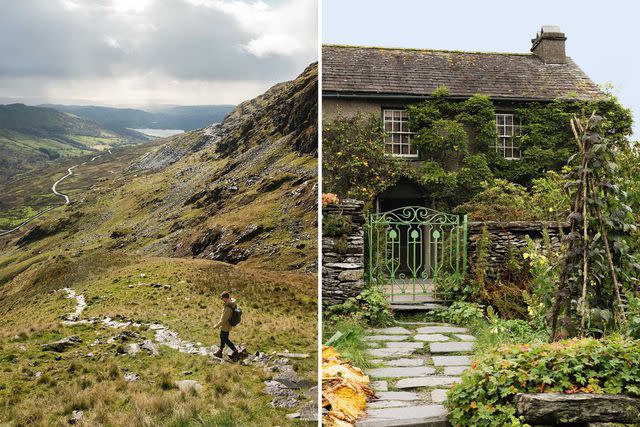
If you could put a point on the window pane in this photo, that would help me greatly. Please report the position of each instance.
(398, 134)
(509, 119)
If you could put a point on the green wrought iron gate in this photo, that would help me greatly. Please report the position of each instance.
(414, 249)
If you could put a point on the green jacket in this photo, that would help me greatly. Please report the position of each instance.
(223, 323)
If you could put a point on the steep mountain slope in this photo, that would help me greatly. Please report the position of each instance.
(187, 117)
(32, 136)
(143, 247)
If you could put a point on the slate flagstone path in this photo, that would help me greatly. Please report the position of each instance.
(416, 363)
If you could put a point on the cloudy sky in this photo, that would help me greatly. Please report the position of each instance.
(602, 37)
(136, 52)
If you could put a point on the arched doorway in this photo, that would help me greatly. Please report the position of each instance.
(403, 194)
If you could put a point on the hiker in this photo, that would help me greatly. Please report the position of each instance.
(230, 317)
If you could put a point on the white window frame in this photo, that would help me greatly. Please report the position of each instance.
(506, 133)
(389, 134)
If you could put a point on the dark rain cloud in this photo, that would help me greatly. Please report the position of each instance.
(42, 39)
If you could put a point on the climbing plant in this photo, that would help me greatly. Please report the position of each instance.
(455, 139)
(546, 139)
(598, 261)
(443, 128)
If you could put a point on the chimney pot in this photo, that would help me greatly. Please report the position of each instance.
(549, 45)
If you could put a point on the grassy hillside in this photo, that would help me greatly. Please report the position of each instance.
(233, 207)
(36, 389)
(33, 136)
(30, 192)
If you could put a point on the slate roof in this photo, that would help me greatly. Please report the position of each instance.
(414, 72)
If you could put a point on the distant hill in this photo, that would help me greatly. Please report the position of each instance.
(157, 117)
(31, 136)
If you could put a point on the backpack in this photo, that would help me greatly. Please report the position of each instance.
(236, 316)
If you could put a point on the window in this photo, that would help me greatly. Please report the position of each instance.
(397, 141)
(507, 127)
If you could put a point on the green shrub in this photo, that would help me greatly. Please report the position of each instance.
(464, 313)
(485, 395)
(336, 225)
(354, 163)
(371, 306)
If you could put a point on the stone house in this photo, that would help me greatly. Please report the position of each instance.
(383, 81)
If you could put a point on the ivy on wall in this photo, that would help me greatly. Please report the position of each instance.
(455, 140)
(546, 138)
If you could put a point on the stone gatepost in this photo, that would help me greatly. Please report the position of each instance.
(343, 265)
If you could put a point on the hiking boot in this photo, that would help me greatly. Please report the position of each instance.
(234, 356)
(218, 354)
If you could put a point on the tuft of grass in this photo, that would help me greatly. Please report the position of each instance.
(165, 382)
(352, 344)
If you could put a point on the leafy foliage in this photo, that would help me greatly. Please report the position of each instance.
(500, 199)
(354, 162)
(546, 136)
(370, 306)
(443, 130)
(455, 140)
(464, 313)
(589, 366)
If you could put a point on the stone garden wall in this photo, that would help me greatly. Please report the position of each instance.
(506, 236)
(343, 257)
(343, 265)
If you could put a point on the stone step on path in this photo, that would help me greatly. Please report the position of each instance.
(416, 364)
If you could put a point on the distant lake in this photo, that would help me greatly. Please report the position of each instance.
(160, 133)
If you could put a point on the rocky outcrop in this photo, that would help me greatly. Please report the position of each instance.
(261, 156)
(575, 409)
(287, 110)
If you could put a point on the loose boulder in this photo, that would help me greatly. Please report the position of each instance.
(62, 345)
(580, 408)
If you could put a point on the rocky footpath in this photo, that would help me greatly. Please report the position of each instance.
(288, 388)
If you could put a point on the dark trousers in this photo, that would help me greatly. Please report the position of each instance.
(224, 340)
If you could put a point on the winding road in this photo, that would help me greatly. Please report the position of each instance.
(56, 192)
(53, 188)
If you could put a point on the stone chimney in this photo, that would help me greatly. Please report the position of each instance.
(549, 45)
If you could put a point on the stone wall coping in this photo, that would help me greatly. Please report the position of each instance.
(517, 225)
